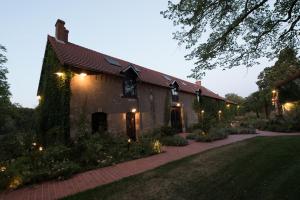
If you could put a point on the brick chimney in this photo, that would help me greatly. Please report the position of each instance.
(61, 33)
(198, 83)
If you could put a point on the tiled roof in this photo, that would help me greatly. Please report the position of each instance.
(87, 59)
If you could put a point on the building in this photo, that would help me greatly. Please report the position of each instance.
(83, 89)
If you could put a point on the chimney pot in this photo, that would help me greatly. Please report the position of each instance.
(61, 33)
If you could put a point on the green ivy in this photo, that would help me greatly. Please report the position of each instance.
(54, 106)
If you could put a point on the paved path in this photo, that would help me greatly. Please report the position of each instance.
(90, 179)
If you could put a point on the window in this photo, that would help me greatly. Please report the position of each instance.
(198, 95)
(129, 87)
(175, 91)
(99, 122)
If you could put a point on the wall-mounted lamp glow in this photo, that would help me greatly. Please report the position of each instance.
(202, 111)
(82, 75)
(178, 104)
(59, 74)
(228, 105)
(133, 110)
(39, 97)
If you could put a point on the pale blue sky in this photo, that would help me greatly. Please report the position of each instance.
(132, 30)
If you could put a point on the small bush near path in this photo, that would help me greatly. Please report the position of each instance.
(175, 140)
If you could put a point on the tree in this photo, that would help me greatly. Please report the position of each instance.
(240, 31)
(235, 98)
(4, 91)
(286, 65)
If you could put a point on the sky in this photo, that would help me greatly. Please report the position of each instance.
(132, 30)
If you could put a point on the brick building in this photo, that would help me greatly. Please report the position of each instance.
(109, 93)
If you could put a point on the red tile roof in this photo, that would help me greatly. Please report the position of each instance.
(87, 59)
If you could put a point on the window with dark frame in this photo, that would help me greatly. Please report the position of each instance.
(129, 87)
(175, 92)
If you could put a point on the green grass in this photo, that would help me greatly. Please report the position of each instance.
(259, 168)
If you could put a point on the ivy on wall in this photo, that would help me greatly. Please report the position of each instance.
(207, 110)
(54, 106)
(167, 111)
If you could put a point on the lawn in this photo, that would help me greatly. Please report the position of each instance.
(259, 168)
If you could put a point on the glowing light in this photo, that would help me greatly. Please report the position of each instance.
(220, 111)
(60, 74)
(157, 147)
(41, 148)
(228, 105)
(178, 104)
(129, 140)
(273, 91)
(289, 106)
(15, 182)
(238, 106)
(133, 110)
(34, 144)
(202, 111)
(82, 75)
(3, 169)
(39, 97)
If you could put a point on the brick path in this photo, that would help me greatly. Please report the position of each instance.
(90, 179)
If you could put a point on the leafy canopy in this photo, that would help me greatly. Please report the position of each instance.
(286, 65)
(235, 98)
(240, 31)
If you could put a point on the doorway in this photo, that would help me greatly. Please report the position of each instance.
(176, 119)
(99, 122)
(130, 125)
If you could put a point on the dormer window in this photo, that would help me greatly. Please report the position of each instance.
(129, 81)
(175, 91)
(198, 95)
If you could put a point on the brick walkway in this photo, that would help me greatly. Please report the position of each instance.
(90, 179)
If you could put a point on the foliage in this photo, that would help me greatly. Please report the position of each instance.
(212, 135)
(240, 31)
(235, 98)
(27, 163)
(174, 140)
(55, 99)
(258, 102)
(240, 130)
(286, 65)
(167, 131)
(4, 92)
(167, 109)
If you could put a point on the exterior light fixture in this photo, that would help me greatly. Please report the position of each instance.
(59, 74)
(82, 75)
(238, 106)
(220, 111)
(273, 91)
(34, 144)
(228, 105)
(41, 148)
(202, 111)
(133, 110)
(129, 140)
(3, 169)
(39, 97)
(178, 104)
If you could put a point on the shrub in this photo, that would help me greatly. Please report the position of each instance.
(175, 140)
(192, 136)
(212, 135)
(167, 131)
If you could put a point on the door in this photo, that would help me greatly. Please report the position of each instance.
(176, 119)
(130, 125)
(99, 122)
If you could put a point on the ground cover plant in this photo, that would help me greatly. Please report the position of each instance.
(24, 161)
(260, 168)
